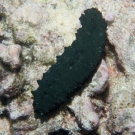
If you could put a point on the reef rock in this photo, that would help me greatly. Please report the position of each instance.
(11, 55)
(11, 85)
(100, 79)
(19, 109)
(85, 113)
(4, 126)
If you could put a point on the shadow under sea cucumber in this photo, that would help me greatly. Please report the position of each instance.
(74, 66)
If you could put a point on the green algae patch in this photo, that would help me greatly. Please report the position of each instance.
(74, 67)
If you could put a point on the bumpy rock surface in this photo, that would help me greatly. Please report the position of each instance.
(11, 85)
(85, 113)
(11, 55)
(4, 126)
(19, 109)
(99, 80)
(42, 29)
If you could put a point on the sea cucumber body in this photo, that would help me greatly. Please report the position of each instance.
(75, 66)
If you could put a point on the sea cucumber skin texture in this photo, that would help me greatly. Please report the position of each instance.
(75, 66)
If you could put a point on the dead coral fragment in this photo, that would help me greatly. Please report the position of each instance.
(99, 81)
(83, 109)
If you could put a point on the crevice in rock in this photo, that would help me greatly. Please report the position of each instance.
(111, 48)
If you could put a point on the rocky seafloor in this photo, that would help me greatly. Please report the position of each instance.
(32, 34)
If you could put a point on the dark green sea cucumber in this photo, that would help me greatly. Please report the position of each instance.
(75, 66)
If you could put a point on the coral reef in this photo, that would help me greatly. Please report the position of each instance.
(32, 34)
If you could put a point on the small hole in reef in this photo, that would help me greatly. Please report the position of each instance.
(4, 100)
(1, 17)
(59, 132)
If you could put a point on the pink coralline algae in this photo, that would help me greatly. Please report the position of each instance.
(109, 17)
(11, 55)
(14, 52)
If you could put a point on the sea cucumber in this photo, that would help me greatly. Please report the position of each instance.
(74, 67)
